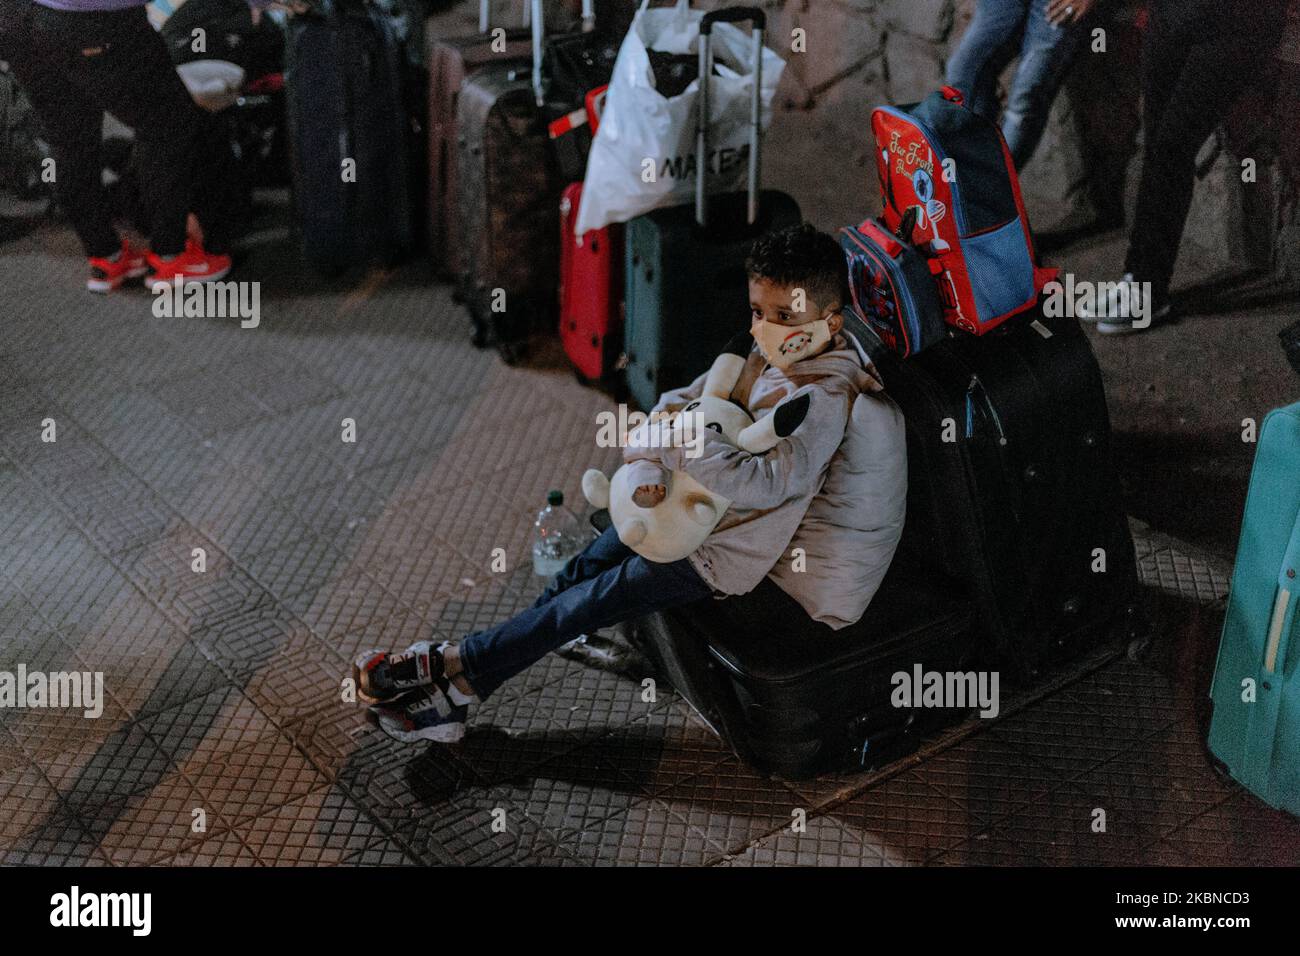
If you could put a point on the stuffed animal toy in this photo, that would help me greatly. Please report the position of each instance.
(679, 523)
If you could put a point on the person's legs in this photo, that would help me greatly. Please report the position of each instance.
(630, 589)
(121, 65)
(1045, 57)
(606, 552)
(1192, 76)
(985, 49)
(72, 124)
(384, 676)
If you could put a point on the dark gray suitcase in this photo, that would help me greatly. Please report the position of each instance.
(686, 288)
(794, 697)
(343, 82)
(450, 61)
(508, 203)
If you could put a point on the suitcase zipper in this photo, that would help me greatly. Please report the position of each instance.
(975, 384)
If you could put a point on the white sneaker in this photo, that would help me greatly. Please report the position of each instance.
(1115, 303)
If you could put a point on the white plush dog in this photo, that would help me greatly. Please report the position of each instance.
(679, 524)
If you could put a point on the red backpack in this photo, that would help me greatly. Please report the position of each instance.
(955, 168)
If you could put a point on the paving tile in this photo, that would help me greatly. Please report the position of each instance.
(663, 747)
(220, 849)
(59, 840)
(823, 841)
(26, 801)
(1240, 831)
(254, 780)
(208, 730)
(122, 764)
(322, 828)
(1145, 794)
(905, 820)
(152, 826)
(296, 567)
(650, 833)
(209, 402)
(242, 645)
(381, 853)
(731, 804)
(405, 789)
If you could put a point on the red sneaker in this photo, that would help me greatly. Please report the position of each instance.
(107, 274)
(192, 265)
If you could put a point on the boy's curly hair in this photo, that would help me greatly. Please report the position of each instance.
(803, 257)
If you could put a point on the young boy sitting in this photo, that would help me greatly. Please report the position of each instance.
(797, 289)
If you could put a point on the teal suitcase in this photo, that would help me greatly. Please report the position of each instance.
(685, 288)
(1255, 727)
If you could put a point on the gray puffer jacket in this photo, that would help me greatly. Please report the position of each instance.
(821, 513)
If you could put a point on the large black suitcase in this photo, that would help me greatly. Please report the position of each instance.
(1011, 488)
(794, 697)
(508, 203)
(349, 136)
(686, 289)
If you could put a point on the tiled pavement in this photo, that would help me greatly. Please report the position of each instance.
(224, 739)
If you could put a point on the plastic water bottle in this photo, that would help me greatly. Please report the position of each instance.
(557, 536)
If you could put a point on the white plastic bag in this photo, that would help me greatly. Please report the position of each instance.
(643, 154)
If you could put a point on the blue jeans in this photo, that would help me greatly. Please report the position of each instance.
(606, 584)
(1000, 30)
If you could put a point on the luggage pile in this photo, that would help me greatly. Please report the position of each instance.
(1016, 555)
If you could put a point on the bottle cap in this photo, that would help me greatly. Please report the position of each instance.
(555, 497)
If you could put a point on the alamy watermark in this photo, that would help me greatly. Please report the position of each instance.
(633, 429)
(1104, 300)
(77, 690)
(209, 300)
(961, 690)
(76, 909)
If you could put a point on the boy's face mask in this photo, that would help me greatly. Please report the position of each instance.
(783, 345)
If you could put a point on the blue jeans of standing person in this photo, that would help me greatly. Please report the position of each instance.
(606, 584)
(1001, 30)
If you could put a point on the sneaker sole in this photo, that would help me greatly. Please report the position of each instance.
(164, 284)
(1127, 328)
(441, 734)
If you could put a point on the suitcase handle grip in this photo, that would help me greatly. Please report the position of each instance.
(733, 15)
(485, 17)
(729, 14)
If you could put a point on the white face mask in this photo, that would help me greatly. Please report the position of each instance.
(783, 345)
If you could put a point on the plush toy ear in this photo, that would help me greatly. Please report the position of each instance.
(595, 488)
(767, 431)
(725, 371)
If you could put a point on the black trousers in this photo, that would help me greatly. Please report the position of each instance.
(75, 67)
(1198, 56)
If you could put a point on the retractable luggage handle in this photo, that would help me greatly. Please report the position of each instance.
(539, 39)
(484, 15)
(728, 15)
(1283, 619)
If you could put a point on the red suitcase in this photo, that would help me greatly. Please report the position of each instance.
(591, 283)
(450, 62)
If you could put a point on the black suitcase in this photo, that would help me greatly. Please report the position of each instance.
(573, 65)
(345, 103)
(1012, 489)
(686, 289)
(794, 697)
(508, 202)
